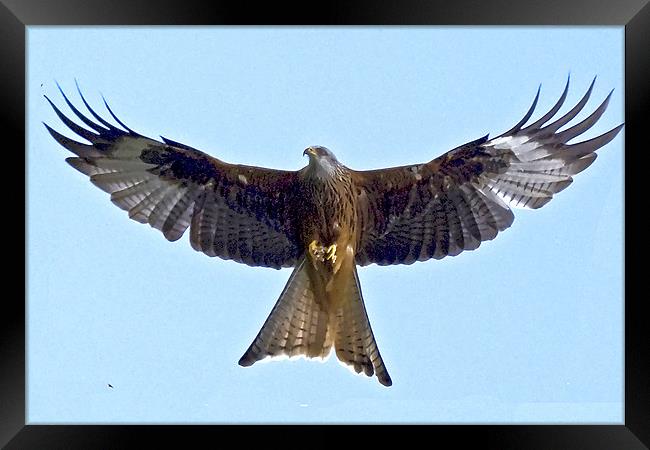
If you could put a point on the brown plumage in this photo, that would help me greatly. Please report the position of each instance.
(326, 219)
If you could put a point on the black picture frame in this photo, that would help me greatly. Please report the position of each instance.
(16, 15)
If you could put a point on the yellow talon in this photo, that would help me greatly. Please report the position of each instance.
(331, 253)
(322, 253)
(312, 247)
(317, 251)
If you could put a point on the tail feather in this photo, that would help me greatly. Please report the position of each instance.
(297, 325)
(353, 338)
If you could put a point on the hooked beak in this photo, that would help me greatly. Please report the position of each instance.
(309, 151)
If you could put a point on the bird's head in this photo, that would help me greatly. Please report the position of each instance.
(317, 152)
(321, 160)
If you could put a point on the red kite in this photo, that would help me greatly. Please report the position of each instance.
(326, 218)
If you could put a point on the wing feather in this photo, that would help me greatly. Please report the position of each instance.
(236, 212)
(462, 198)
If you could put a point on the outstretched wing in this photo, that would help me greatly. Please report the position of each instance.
(456, 201)
(235, 212)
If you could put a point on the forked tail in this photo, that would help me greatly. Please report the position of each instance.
(304, 322)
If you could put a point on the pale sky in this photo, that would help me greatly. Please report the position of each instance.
(528, 328)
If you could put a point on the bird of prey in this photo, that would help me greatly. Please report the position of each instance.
(326, 219)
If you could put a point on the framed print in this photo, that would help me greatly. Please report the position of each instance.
(531, 335)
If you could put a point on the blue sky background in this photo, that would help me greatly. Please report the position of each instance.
(526, 329)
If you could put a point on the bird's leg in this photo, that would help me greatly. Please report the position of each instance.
(317, 251)
(321, 253)
(313, 246)
(337, 262)
(330, 253)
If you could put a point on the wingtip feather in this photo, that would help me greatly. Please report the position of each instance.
(133, 133)
(75, 147)
(529, 113)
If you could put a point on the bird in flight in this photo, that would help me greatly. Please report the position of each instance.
(326, 219)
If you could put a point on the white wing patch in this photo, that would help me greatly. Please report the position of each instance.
(540, 162)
